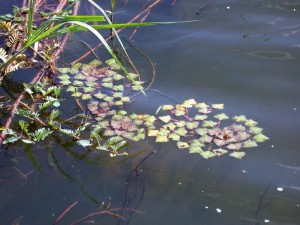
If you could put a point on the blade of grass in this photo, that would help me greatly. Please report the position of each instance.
(30, 18)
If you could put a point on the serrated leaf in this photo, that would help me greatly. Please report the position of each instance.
(107, 85)
(174, 137)
(54, 114)
(161, 138)
(65, 82)
(118, 88)
(182, 145)
(181, 131)
(167, 107)
(191, 125)
(217, 106)
(100, 95)
(207, 154)
(195, 149)
(180, 123)
(41, 134)
(220, 142)
(71, 89)
(255, 130)
(88, 89)
(260, 138)
(238, 155)
(86, 96)
(165, 119)
(205, 139)
(249, 144)
(170, 126)
(220, 151)
(77, 83)
(179, 112)
(234, 146)
(240, 118)
(64, 77)
(118, 94)
(95, 63)
(11, 139)
(76, 94)
(118, 77)
(189, 103)
(209, 123)
(201, 105)
(153, 133)
(201, 131)
(250, 123)
(221, 116)
(80, 76)
(125, 99)
(200, 117)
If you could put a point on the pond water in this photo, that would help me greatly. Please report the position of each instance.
(244, 54)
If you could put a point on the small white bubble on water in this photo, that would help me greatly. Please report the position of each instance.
(206, 207)
(280, 189)
(228, 7)
(218, 210)
(267, 221)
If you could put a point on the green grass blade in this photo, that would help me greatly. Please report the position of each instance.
(82, 18)
(30, 18)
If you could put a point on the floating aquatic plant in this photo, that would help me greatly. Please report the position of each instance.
(193, 125)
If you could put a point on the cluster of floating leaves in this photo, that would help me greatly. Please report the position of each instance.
(193, 125)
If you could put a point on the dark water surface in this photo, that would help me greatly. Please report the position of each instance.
(242, 53)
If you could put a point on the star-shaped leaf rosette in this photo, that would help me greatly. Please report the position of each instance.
(195, 126)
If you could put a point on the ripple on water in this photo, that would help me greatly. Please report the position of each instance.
(271, 55)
